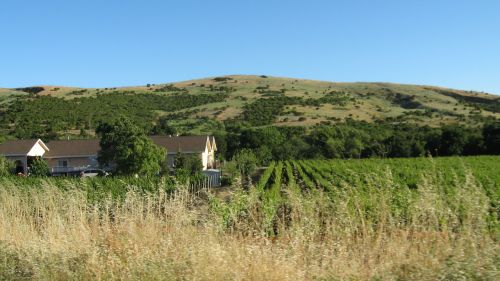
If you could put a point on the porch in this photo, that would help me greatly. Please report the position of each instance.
(68, 169)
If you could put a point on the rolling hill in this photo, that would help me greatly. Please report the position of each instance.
(198, 106)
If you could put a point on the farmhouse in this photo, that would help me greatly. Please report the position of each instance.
(23, 152)
(203, 146)
(67, 156)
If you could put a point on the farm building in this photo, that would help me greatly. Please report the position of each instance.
(23, 152)
(67, 156)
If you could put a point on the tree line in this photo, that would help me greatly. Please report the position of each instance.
(355, 139)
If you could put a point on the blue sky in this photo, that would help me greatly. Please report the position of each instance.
(120, 43)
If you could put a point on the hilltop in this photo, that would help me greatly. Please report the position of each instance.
(198, 105)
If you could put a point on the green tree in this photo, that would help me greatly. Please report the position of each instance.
(6, 166)
(334, 148)
(188, 164)
(163, 128)
(230, 172)
(193, 164)
(453, 140)
(126, 146)
(39, 168)
(491, 133)
(179, 160)
(264, 155)
(246, 162)
(353, 147)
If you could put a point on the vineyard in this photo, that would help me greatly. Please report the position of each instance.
(331, 174)
(398, 180)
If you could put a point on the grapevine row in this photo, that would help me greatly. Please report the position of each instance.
(265, 176)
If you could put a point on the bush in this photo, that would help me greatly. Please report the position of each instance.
(246, 162)
(6, 167)
(189, 164)
(226, 180)
(39, 168)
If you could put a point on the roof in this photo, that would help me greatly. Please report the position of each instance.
(19, 147)
(82, 148)
(182, 143)
(212, 143)
(60, 148)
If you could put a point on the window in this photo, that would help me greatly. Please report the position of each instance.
(62, 163)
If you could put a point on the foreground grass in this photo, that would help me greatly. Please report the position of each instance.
(372, 227)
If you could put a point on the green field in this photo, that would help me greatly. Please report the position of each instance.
(406, 172)
(372, 219)
(400, 181)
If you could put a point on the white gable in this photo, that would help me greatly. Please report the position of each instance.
(208, 145)
(213, 145)
(38, 149)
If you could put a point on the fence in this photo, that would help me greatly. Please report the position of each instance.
(211, 179)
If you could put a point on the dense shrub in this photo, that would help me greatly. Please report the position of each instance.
(6, 167)
(39, 168)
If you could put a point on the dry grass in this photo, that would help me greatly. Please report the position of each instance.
(49, 233)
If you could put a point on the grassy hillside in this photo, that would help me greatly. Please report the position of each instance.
(259, 100)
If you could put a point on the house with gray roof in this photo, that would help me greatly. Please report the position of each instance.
(23, 152)
(68, 156)
(204, 147)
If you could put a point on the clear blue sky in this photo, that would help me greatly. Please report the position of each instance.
(98, 43)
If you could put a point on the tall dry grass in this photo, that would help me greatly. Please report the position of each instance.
(365, 232)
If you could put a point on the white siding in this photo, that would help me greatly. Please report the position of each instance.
(37, 150)
(204, 158)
